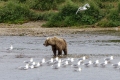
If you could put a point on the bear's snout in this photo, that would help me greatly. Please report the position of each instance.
(44, 44)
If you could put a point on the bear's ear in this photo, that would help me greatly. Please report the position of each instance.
(55, 37)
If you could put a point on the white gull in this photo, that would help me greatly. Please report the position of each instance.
(78, 69)
(37, 65)
(49, 62)
(70, 61)
(64, 64)
(83, 8)
(10, 48)
(82, 59)
(76, 65)
(95, 64)
(57, 61)
(56, 66)
(29, 61)
(116, 65)
(32, 63)
(88, 63)
(56, 58)
(104, 64)
(108, 59)
(31, 67)
(42, 62)
(24, 67)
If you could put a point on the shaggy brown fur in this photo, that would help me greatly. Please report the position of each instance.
(57, 44)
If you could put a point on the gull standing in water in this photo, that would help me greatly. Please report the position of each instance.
(32, 63)
(109, 59)
(29, 61)
(70, 61)
(42, 62)
(104, 64)
(58, 61)
(10, 48)
(31, 67)
(50, 62)
(76, 65)
(95, 64)
(116, 65)
(78, 69)
(83, 8)
(37, 65)
(88, 63)
(82, 59)
(24, 67)
(56, 66)
(64, 64)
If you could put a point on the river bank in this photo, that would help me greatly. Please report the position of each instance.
(35, 29)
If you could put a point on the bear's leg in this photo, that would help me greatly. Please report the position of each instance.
(65, 51)
(54, 50)
(59, 52)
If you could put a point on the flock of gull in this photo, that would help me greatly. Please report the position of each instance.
(76, 64)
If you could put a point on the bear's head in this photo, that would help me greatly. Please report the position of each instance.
(49, 41)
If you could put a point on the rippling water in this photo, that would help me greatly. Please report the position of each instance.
(94, 46)
(78, 44)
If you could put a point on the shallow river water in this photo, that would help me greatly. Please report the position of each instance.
(93, 46)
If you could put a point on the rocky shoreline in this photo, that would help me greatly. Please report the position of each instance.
(35, 29)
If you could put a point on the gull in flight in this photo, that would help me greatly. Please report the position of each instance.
(85, 7)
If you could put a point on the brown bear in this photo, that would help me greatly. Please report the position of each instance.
(56, 44)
